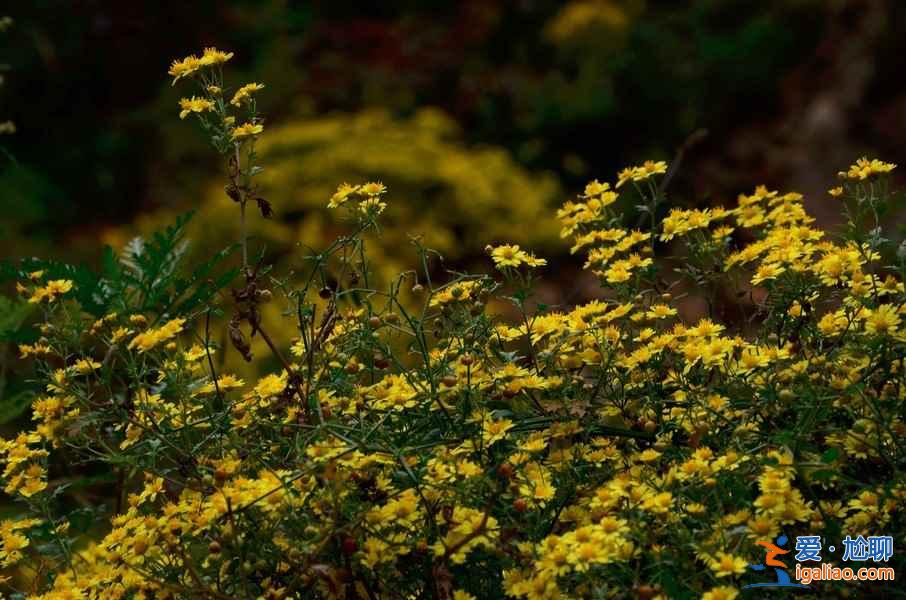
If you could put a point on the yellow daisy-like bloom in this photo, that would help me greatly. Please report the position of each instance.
(194, 104)
(245, 92)
(511, 255)
(271, 385)
(882, 320)
(494, 431)
(767, 272)
(247, 130)
(343, 193)
(641, 172)
(213, 56)
(865, 168)
(727, 565)
(85, 366)
(373, 188)
(184, 68)
(660, 311)
(54, 288)
(153, 337)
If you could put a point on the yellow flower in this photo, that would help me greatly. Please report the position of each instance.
(343, 193)
(245, 92)
(882, 320)
(660, 311)
(193, 104)
(649, 455)
(247, 129)
(86, 365)
(50, 292)
(12, 542)
(727, 565)
(37, 350)
(373, 188)
(271, 385)
(372, 205)
(658, 503)
(511, 255)
(213, 56)
(508, 255)
(151, 338)
(766, 272)
(721, 593)
(642, 172)
(865, 168)
(494, 431)
(184, 68)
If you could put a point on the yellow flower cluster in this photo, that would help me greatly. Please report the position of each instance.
(192, 63)
(865, 168)
(47, 293)
(153, 337)
(193, 104)
(224, 129)
(420, 444)
(367, 197)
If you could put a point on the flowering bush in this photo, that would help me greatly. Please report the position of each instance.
(411, 444)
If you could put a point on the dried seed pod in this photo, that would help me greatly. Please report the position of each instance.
(265, 207)
(233, 192)
(237, 338)
(254, 318)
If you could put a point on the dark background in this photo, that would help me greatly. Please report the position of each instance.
(790, 91)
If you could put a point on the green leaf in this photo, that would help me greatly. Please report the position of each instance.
(830, 455)
(14, 405)
(822, 474)
(13, 312)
